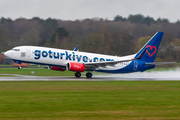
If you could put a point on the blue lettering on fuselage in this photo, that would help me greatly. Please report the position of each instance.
(56, 55)
(50, 54)
(78, 57)
(62, 55)
(44, 54)
(67, 56)
(85, 59)
(95, 59)
(37, 53)
(109, 59)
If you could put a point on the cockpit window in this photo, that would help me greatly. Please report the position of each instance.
(16, 49)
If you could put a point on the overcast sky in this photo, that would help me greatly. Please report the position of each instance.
(81, 9)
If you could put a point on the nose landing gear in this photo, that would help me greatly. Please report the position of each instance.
(19, 67)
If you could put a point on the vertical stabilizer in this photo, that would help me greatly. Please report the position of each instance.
(151, 47)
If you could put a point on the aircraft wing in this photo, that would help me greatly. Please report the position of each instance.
(104, 64)
(112, 63)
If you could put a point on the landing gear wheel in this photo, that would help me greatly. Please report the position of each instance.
(88, 75)
(19, 67)
(78, 74)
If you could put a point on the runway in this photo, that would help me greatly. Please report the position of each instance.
(146, 76)
(54, 78)
(139, 76)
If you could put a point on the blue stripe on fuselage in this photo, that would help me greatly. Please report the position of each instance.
(141, 66)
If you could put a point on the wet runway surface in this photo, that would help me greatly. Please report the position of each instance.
(83, 78)
(139, 76)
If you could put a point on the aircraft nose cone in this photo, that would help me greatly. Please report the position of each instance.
(8, 53)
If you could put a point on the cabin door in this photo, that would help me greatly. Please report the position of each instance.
(28, 52)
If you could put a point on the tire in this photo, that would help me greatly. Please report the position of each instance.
(19, 67)
(78, 74)
(88, 75)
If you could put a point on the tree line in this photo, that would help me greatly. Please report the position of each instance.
(121, 36)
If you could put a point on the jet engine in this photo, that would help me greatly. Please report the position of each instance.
(77, 67)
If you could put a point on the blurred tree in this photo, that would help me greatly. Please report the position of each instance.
(37, 19)
(47, 29)
(117, 43)
(109, 37)
(122, 43)
(148, 20)
(30, 37)
(119, 18)
(4, 20)
(6, 39)
(176, 42)
(163, 20)
(178, 22)
(175, 48)
(52, 22)
(61, 32)
(93, 43)
(138, 18)
(59, 35)
(141, 42)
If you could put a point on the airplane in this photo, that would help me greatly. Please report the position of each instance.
(74, 60)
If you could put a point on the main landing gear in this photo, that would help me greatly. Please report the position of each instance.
(78, 74)
(88, 75)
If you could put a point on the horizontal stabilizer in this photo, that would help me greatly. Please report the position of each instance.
(160, 63)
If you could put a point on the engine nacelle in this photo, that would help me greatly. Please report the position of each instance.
(77, 67)
(57, 68)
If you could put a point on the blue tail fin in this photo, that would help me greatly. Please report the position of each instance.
(151, 47)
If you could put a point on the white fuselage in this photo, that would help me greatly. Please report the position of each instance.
(60, 57)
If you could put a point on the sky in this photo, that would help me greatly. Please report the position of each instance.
(82, 9)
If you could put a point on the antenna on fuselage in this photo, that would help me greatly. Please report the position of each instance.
(75, 49)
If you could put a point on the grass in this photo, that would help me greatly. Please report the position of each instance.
(8, 76)
(35, 72)
(88, 100)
